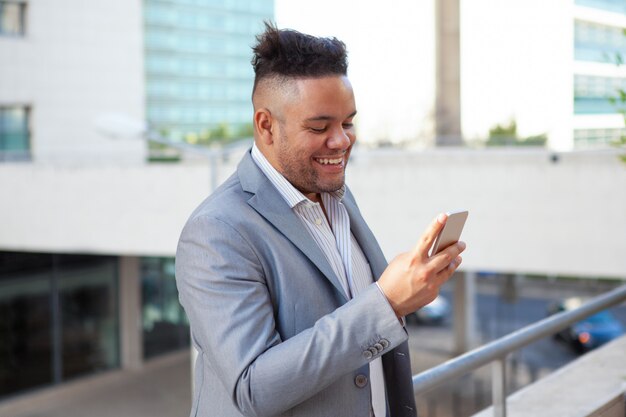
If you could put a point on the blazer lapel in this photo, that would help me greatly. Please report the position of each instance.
(268, 202)
(365, 237)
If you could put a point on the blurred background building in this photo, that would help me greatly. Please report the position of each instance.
(549, 69)
(90, 222)
(599, 46)
(197, 65)
(69, 304)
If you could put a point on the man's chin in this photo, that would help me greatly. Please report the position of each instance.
(331, 187)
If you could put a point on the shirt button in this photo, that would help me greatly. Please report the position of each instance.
(360, 381)
(318, 221)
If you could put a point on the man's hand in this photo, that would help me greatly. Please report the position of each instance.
(412, 279)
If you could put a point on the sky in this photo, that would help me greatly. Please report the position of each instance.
(391, 59)
(516, 63)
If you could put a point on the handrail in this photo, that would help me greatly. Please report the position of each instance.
(497, 350)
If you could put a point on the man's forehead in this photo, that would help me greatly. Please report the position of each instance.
(325, 98)
(322, 117)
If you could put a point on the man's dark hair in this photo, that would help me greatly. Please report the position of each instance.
(289, 53)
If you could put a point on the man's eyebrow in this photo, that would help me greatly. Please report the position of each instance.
(325, 117)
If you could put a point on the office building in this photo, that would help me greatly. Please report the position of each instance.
(87, 256)
(198, 72)
(550, 67)
(599, 72)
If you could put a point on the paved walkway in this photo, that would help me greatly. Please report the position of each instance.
(161, 389)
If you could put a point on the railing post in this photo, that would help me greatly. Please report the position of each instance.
(464, 318)
(498, 386)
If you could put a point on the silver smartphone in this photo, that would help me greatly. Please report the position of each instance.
(451, 231)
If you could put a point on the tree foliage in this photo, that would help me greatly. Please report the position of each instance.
(506, 135)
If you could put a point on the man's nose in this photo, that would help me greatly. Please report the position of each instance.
(339, 139)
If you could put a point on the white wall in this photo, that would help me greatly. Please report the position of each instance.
(77, 61)
(527, 214)
(125, 210)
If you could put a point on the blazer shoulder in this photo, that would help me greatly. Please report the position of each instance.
(228, 200)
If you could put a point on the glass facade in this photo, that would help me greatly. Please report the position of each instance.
(596, 94)
(58, 318)
(165, 325)
(14, 133)
(12, 18)
(198, 73)
(592, 137)
(592, 94)
(598, 43)
(615, 6)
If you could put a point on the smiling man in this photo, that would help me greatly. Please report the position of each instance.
(293, 308)
(305, 130)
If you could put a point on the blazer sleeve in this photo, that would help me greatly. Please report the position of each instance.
(223, 289)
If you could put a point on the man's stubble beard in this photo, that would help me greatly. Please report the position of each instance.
(304, 178)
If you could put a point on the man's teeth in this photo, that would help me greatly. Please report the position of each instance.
(326, 161)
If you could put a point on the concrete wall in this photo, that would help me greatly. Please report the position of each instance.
(125, 210)
(55, 71)
(591, 386)
(527, 213)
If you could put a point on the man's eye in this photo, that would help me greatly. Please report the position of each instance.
(348, 125)
(317, 129)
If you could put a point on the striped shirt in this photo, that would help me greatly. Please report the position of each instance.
(334, 238)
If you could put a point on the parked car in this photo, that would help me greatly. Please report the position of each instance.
(590, 332)
(434, 313)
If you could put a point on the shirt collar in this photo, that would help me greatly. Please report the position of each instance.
(291, 194)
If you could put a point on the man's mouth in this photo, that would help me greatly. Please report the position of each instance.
(329, 161)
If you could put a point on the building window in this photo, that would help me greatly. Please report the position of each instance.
(14, 133)
(615, 6)
(593, 94)
(165, 325)
(197, 56)
(598, 43)
(12, 18)
(590, 138)
(58, 318)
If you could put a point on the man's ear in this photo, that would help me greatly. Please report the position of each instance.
(263, 125)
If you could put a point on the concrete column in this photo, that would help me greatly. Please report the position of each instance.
(464, 312)
(448, 74)
(131, 335)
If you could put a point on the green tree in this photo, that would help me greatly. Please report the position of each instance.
(506, 135)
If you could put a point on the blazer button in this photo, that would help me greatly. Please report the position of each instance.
(360, 381)
(385, 343)
(373, 350)
(379, 347)
(367, 354)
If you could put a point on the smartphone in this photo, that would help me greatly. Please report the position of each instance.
(451, 231)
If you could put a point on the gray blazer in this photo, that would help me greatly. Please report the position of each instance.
(275, 333)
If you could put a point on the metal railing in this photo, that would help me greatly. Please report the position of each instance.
(212, 154)
(496, 351)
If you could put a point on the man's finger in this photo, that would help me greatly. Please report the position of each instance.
(446, 273)
(430, 234)
(446, 257)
